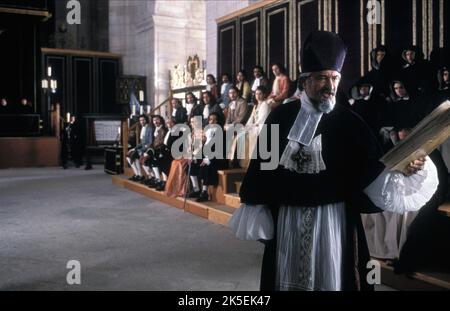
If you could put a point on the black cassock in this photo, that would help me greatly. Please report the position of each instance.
(351, 154)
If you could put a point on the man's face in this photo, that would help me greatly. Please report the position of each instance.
(24, 102)
(169, 123)
(399, 90)
(156, 122)
(410, 55)
(321, 88)
(225, 79)
(73, 119)
(276, 70)
(232, 94)
(212, 119)
(364, 90)
(209, 80)
(380, 56)
(174, 104)
(4, 102)
(190, 99)
(205, 97)
(445, 76)
(257, 73)
(142, 121)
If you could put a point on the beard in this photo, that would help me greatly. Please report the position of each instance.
(326, 105)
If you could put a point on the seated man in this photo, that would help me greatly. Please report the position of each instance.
(134, 154)
(163, 154)
(149, 159)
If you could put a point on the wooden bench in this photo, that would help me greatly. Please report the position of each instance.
(227, 180)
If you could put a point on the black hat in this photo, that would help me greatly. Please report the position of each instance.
(323, 50)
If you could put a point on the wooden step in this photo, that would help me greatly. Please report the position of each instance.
(213, 211)
(415, 281)
(227, 179)
(232, 200)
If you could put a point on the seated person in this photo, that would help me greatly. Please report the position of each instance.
(163, 154)
(280, 86)
(366, 104)
(149, 159)
(260, 112)
(176, 185)
(245, 92)
(210, 105)
(237, 109)
(135, 154)
(192, 106)
(238, 113)
(178, 111)
(205, 170)
(224, 88)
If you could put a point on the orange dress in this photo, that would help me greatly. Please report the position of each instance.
(177, 179)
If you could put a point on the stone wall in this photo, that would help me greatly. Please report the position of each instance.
(154, 36)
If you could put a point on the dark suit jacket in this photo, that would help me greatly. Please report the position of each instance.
(181, 115)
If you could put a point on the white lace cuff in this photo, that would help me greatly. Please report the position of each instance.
(392, 191)
(252, 222)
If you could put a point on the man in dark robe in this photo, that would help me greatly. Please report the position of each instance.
(324, 180)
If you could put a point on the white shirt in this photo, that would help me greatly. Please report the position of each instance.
(174, 112)
(206, 112)
(256, 83)
(189, 107)
(143, 131)
(166, 138)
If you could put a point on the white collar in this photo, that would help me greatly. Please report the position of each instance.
(306, 123)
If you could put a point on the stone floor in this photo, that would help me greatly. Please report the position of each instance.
(123, 241)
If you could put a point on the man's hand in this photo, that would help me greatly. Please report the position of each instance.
(415, 166)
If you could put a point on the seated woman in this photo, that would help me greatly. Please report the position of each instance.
(206, 169)
(260, 112)
(177, 178)
(243, 86)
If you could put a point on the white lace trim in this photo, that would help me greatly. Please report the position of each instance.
(392, 191)
(252, 222)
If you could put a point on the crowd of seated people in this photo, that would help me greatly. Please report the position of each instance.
(219, 108)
